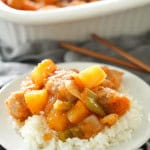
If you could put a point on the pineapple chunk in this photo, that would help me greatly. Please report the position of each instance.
(78, 112)
(41, 72)
(92, 76)
(62, 105)
(36, 100)
(110, 119)
(57, 120)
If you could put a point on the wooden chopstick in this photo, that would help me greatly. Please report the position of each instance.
(120, 51)
(99, 56)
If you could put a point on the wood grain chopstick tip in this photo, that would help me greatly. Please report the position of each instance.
(99, 55)
(122, 52)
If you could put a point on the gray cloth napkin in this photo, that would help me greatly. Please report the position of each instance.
(14, 62)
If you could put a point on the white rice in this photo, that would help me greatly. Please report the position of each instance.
(35, 127)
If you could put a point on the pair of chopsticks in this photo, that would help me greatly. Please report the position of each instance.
(132, 63)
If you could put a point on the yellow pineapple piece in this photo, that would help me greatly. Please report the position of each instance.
(36, 100)
(78, 112)
(41, 72)
(57, 120)
(92, 76)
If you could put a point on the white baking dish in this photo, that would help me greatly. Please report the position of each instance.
(108, 18)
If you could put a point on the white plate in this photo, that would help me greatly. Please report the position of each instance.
(137, 88)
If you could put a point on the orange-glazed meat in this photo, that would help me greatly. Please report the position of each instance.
(112, 101)
(114, 78)
(17, 106)
(56, 84)
(118, 105)
(28, 85)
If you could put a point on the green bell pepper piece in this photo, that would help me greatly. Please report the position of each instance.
(91, 103)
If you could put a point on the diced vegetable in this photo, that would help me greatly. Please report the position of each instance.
(64, 135)
(36, 100)
(71, 132)
(76, 131)
(57, 120)
(57, 87)
(62, 105)
(42, 71)
(92, 76)
(64, 94)
(78, 82)
(94, 107)
(28, 85)
(90, 100)
(78, 112)
(49, 106)
(110, 119)
(72, 88)
(91, 126)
